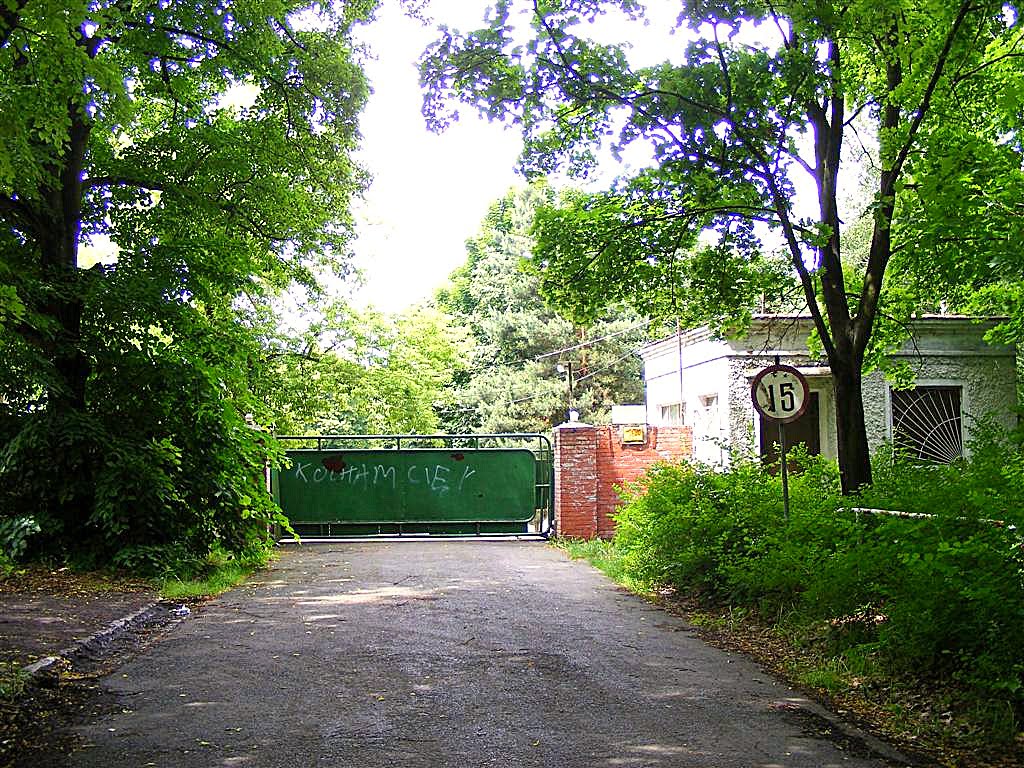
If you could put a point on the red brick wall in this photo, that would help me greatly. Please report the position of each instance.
(591, 461)
(576, 480)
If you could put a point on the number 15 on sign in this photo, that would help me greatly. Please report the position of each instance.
(780, 393)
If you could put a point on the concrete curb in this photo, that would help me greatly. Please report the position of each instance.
(115, 628)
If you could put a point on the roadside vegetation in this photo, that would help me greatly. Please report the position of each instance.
(185, 580)
(176, 181)
(217, 572)
(920, 619)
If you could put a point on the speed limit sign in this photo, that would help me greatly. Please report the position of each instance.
(780, 393)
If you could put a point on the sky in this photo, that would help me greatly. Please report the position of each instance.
(430, 192)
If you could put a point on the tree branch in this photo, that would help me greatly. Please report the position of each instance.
(933, 82)
(881, 245)
(10, 19)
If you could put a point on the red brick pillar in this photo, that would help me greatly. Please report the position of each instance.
(576, 480)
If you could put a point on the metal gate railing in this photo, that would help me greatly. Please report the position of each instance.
(345, 485)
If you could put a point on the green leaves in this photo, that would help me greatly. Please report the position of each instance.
(511, 382)
(211, 144)
(937, 596)
(759, 106)
(594, 250)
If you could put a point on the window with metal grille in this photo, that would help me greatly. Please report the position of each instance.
(927, 423)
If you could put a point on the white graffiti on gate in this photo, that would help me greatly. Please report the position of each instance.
(438, 478)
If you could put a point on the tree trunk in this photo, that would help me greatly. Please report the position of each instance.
(854, 456)
(844, 336)
(58, 239)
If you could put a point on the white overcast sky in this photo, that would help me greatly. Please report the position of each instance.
(430, 192)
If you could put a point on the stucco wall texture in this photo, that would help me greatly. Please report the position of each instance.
(942, 351)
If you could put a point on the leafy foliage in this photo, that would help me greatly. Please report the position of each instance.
(14, 535)
(960, 221)
(360, 372)
(511, 383)
(760, 101)
(205, 148)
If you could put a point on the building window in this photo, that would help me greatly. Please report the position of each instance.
(927, 424)
(672, 414)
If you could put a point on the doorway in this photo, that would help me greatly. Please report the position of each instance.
(806, 430)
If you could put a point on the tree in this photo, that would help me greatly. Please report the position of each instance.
(732, 130)
(512, 382)
(961, 224)
(210, 144)
(360, 372)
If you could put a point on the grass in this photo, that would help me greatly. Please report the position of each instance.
(12, 681)
(217, 574)
(604, 556)
(193, 579)
(219, 579)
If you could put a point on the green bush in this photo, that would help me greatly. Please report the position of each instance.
(15, 533)
(939, 596)
(160, 468)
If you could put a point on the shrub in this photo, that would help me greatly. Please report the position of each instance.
(939, 596)
(14, 535)
(160, 467)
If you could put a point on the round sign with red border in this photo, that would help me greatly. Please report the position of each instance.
(780, 393)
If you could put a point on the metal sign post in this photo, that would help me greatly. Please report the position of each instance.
(780, 394)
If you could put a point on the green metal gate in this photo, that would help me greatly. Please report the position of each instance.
(365, 485)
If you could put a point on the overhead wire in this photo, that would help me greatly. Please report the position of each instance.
(589, 342)
(610, 365)
(585, 376)
(581, 345)
(538, 358)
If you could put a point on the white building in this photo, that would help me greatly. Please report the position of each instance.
(702, 381)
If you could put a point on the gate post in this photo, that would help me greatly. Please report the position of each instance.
(576, 480)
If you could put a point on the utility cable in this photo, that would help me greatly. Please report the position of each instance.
(588, 342)
(610, 365)
(585, 377)
(490, 366)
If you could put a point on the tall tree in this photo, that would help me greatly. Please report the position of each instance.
(961, 226)
(733, 129)
(360, 372)
(512, 382)
(209, 143)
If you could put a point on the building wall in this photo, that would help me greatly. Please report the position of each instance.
(705, 390)
(704, 367)
(945, 350)
(592, 462)
(988, 381)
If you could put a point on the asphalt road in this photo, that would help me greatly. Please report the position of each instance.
(458, 654)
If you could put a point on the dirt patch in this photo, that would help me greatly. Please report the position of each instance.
(44, 611)
(81, 616)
